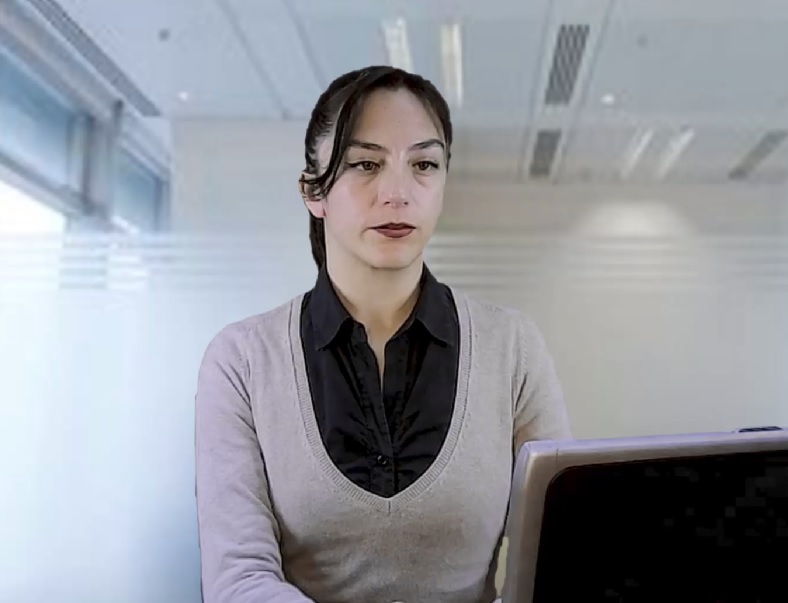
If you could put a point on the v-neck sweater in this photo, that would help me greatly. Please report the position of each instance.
(279, 522)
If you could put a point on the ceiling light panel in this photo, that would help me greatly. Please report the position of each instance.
(451, 62)
(395, 34)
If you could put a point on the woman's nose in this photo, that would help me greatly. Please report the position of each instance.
(394, 188)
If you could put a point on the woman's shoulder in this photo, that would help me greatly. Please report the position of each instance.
(260, 330)
(504, 321)
(506, 332)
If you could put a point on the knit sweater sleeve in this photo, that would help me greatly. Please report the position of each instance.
(238, 531)
(540, 408)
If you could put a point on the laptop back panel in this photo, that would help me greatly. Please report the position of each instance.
(702, 529)
(701, 517)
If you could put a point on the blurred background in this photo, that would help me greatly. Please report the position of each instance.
(619, 173)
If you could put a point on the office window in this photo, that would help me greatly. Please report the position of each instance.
(139, 193)
(39, 129)
(22, 214)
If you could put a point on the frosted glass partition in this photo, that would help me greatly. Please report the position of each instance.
(100, 341)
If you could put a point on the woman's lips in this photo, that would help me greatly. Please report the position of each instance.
(394, 231)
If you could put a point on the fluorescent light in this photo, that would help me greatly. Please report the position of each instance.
(451, 54)
(675, 149)
(637, 147)
(609, 100)
(396, 35)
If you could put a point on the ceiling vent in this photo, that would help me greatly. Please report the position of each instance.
(765, 147)
(570, 47)
(544, 154)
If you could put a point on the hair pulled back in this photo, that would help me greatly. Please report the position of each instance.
(337, 110)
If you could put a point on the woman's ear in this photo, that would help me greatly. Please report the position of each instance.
(313, 202)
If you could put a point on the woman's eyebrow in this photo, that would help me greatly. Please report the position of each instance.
(432, 142)
(371, 146)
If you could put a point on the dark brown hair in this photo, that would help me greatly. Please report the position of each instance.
(338, 108)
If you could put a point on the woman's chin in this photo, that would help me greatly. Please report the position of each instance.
(393, 259)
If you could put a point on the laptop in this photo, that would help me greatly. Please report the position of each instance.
(701, 518)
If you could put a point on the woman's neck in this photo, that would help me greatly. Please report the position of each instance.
(381, 300)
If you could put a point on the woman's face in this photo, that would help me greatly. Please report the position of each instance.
(386, 202)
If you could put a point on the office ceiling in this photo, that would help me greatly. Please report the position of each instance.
(602, 91)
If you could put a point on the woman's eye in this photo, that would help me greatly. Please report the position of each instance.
(364, 166)
(426, 166)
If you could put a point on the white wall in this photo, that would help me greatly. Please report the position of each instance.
(237, 176)
(596, 210)
(666, 308)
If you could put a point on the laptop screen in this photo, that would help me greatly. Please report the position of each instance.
(710, 529)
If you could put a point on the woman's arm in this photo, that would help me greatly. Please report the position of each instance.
(540, 410)
(238, 532)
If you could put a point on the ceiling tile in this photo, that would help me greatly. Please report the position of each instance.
(341, 45)
(284, 53)
(702, 10)
(201, 57)
(594, 153)
(502, 61)
(495, 10)
(683, 67)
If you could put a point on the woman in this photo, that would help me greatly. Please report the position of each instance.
(356, 444)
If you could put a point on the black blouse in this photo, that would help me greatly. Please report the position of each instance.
(382, 439)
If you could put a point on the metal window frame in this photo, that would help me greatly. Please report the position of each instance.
(112, 124)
